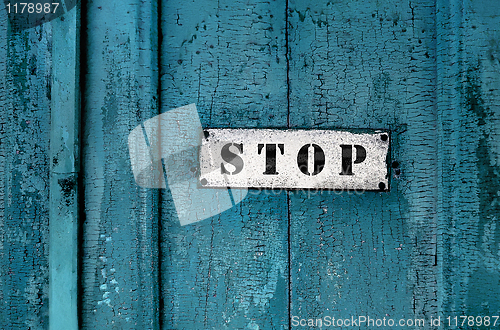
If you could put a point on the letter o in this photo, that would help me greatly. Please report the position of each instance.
(303, 158)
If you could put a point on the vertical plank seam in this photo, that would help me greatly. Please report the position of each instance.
(160, 194)
(287, 56)
(439, 266)
(81, 183)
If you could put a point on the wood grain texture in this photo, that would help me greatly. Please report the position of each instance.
(229, 271)
(366, 65)
(119, 254)
(469, 107)
(427, 70)
(25, 78)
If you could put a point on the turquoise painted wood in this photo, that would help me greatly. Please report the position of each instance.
(40, 115)
(229, 271)
(64, 175)
(468, 70)
(25, 79)
(370, 66)
(119, 253)
(427, 70)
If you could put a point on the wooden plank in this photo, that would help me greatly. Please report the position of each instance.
(468, 103)
(366, 65)
(119, 253)
(64, 176)
(228, 271)
(25, 78)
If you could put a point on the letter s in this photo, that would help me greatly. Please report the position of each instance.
(231, 158)
(295, 321)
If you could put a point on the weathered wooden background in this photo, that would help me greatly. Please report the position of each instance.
(428, 70)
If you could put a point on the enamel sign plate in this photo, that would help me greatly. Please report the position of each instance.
(294, 159)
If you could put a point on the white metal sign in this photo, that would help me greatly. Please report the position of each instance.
(296, 159)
